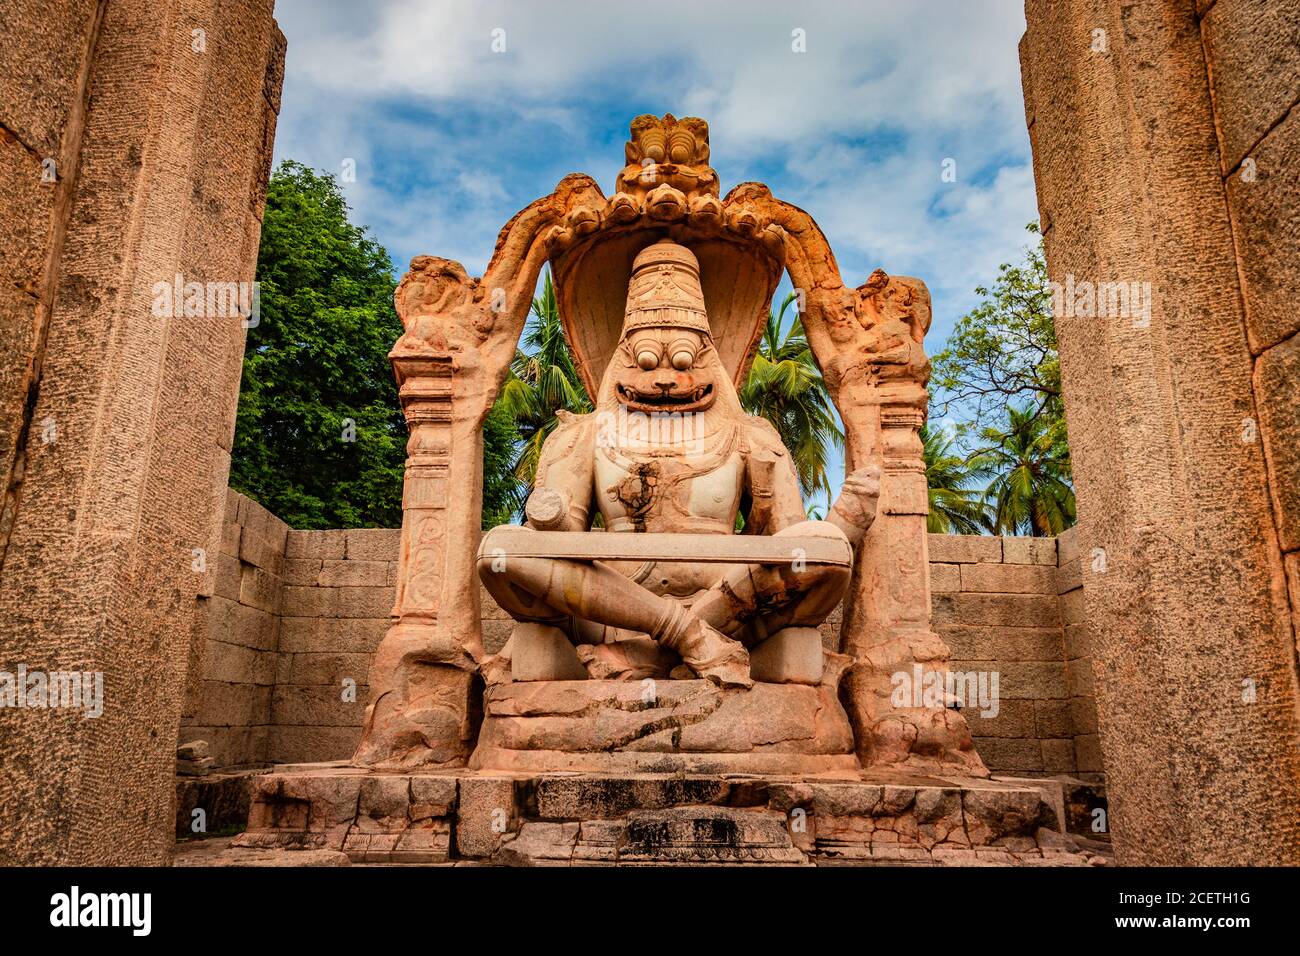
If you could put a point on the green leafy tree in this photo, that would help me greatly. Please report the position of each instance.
(319, 436)
(957, 503)
(785, 386)
(1031, 491)
(1004, 351)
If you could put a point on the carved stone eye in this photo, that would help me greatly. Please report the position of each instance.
(647, 360)
(655, 151)
(683, 360)
(679, 153)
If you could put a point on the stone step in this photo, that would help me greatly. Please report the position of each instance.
(868, 818)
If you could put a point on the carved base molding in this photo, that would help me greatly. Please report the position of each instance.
(424, 708)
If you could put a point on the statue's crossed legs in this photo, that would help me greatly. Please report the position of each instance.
(749, 603)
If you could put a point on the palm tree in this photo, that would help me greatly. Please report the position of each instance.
(1031, 491)
(955, 506)
(503, 492)
(785, 386)
(543, 379)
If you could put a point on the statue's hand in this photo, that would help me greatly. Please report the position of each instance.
(855, 509)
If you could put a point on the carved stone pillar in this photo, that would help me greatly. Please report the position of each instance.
(426, 396)
(887, 614)
(424, 695)
(460, 335)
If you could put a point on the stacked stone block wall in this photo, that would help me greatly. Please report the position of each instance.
(1078, 656)
(998, 604)
(337, 598)
(279, 661)
(235, 643)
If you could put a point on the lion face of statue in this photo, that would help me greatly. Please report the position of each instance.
(665, 370)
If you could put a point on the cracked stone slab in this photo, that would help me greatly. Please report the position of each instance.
(671, 726)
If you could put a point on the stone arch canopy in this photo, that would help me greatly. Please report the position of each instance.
(591, 282)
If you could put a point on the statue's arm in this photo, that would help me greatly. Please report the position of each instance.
(771, 481)
(561, 498)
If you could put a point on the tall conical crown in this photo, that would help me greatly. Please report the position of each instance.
(665, 290)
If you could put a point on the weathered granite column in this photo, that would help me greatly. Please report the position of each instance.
(118, 409)
(1186, 596)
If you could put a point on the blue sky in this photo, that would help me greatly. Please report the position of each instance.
(449, 138)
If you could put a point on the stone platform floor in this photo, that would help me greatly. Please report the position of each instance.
(333, 814)
(1073, 851)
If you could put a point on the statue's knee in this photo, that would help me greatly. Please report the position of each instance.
(493, 565)
(813, 529)
(490, 567)
(834, 577)
(488, 545)
(817, 574)
(810, 571)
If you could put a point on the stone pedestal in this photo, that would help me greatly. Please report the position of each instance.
(666, 726)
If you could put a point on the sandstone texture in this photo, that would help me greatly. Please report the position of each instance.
(881, 818)
(130, 155)
(690, 724)
(223, 799)
(1167, 159)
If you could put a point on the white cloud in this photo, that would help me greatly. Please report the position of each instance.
(924, 62)
(451, 138)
